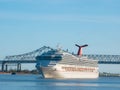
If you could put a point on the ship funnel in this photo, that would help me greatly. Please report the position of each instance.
(80, 49)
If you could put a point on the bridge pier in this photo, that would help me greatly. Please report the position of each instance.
(18, 67)
(3, 64)
(6, 68)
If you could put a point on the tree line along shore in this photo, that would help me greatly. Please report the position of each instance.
(20, 72)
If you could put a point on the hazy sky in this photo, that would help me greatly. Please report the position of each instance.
(26, 25)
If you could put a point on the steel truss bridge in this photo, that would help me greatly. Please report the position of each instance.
(31, 58)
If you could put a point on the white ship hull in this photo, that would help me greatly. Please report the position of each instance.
(68, 71)
(61, 64)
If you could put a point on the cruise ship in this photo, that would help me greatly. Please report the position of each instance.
(57, 63)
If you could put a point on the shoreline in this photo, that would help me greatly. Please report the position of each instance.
(103, 74)
(20, 72)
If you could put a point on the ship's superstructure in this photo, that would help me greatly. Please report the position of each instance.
(57, 63)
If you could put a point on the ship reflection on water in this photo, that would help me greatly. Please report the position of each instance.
(34, 82)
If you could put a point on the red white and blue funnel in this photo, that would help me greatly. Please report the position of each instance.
(80, 49)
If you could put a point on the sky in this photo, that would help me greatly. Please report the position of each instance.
(26, 25)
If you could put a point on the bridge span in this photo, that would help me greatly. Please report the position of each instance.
(105, 59)
(31, 58)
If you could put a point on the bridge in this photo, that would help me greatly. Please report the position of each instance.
(31, 58)
(105, 59)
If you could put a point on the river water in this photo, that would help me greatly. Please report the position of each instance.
(34, 82)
